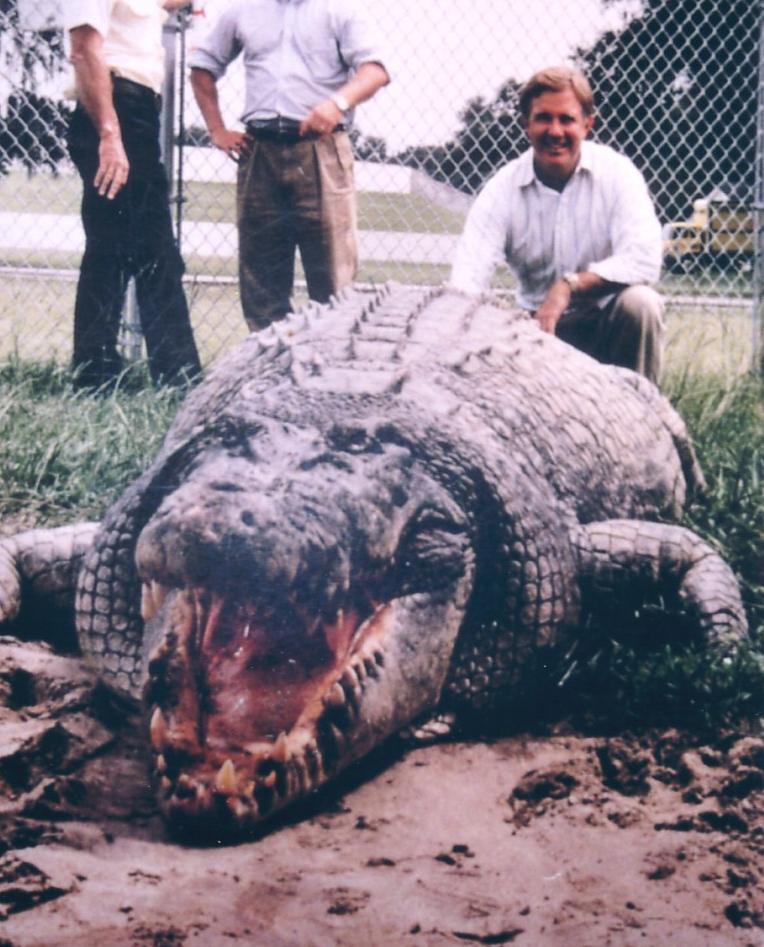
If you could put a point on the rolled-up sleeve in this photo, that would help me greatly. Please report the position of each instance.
(481, 246)
(220, 47)
(93, 13)
(635, 232)
(359, 40)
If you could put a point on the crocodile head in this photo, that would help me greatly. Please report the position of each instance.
(301, 600)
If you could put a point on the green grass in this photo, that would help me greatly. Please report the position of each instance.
(66, 456)
(612, 680)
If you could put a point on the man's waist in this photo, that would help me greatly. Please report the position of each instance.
(129, 89)
(283, 129)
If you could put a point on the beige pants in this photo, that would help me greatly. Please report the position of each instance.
(295, 194)
(629, 331)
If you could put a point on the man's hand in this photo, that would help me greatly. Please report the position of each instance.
(323, 119)
(236, 144)
(113, 166)
(554, 305)
(94, 91)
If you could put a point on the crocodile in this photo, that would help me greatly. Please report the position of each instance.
(392, 508)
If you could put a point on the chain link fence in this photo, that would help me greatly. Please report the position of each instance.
(676, 88)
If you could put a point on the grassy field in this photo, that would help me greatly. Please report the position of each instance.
(36, 319)
(216, 202)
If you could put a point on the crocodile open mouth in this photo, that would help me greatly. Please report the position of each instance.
(252, 707)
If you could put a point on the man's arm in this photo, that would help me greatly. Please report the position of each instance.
(635, 235)
(94, 91)
(366, 82)
(481, 246)
(204, 84)
(561, 296)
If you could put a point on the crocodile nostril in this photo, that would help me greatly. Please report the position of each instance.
(248, 518)
(226, 486)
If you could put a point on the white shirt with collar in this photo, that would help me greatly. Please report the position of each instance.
(132, 35)
(296, 52)
(603, 222)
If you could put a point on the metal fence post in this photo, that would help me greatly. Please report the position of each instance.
(758, 209)
(132, 337)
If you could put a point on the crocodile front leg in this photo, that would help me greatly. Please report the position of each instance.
(40, 567)
(622, 561)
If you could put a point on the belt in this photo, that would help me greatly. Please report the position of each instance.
(284, 130)
(127, 89)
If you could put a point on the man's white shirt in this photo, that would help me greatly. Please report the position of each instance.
(603, 222)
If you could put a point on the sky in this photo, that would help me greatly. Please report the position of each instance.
(442, 53)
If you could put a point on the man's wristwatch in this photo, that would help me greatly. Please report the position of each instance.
(573, 280)
(341, 102)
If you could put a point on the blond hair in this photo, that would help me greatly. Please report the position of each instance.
(557, 79)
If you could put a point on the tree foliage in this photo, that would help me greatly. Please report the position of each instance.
(489, 136)
(675, 90)
(32, 126)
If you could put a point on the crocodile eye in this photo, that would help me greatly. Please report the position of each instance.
(432, 553)
(351, 440)
(237, 436)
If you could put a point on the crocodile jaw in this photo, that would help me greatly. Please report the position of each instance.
(225, 759)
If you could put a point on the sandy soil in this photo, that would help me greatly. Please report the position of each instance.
(533, 841)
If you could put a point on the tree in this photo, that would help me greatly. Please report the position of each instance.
(489, 136)
(676, 91)
(32, 126)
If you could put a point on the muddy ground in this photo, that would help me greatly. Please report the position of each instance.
(563, 840)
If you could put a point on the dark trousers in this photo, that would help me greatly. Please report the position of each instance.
(130, 235)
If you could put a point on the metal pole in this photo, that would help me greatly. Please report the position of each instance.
(758, 213)
(132, 336)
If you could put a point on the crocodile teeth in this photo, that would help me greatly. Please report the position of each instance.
(148, 606)
(161, 765)
(350, 679)
(158, 730)
(225, 781)
(153, 595)
(335, 696)
(280, 749)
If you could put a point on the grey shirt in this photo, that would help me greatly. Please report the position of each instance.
(296, 52)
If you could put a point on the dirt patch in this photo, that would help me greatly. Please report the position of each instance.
(563, 840)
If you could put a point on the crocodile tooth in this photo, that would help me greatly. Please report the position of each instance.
(269, 780)
(165, 785)
(161, 765)
(350, 679)
(280, 749)
(238, 808)
(338, 735)
(225, 780)
(159, 594)
(158, 730)
(148, 605)
(335, 696)
(185, 787)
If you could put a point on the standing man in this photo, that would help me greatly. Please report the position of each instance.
(575, 223)
(307, 64)
(118, 58)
